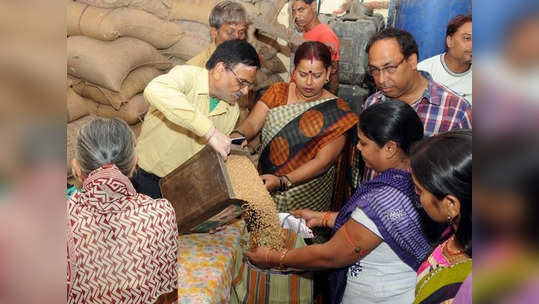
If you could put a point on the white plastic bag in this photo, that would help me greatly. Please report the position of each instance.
(288, 221)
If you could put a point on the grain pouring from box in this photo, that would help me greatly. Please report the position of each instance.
(261, 216)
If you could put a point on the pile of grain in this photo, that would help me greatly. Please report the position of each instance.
(261, 215)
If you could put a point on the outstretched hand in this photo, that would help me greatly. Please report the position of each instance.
(259, 256)
(270, 181)
(312, 218)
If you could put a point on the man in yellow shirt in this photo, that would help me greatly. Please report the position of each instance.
(192, 107)
(228, 20)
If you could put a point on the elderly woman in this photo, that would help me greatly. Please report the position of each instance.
(303, 130)
(121, 245)
(442, 173)
(378, 241)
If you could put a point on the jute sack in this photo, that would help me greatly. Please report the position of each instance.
(107, 63)
(111, 23)
(134, 83)
(131, 112)
(71, 139)
(192, 10)
(76, 106)
(195, 39)
(160, 8)
(176, 61)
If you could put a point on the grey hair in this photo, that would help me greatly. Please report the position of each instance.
(227, 12)
(105, 141)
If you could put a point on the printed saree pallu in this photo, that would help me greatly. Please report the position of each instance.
(292, 135)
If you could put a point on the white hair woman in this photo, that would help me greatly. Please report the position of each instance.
(121, 245)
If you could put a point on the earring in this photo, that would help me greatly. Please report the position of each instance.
(450, 220)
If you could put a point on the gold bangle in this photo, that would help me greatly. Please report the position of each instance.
(281, 259)
(268, 258)
(288, 181)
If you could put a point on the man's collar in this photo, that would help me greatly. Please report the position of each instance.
(448, 70)
(429, 93)
(223, 106)
(319, 23)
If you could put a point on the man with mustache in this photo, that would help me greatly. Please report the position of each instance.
(454, 67)
(228, 20)
(306, 21)
(191, 107)
(393, 57)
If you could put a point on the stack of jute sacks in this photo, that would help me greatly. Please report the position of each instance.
(112, 54)
(116, 47)
(107, 38)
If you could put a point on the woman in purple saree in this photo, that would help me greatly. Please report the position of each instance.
(378, 240)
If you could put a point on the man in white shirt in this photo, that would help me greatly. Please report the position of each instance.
(454, 67)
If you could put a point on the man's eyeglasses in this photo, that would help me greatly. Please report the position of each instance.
(242, 82)
(375, 72)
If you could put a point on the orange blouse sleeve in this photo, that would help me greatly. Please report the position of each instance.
(276, 95)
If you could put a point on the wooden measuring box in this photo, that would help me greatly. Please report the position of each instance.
(201, 193)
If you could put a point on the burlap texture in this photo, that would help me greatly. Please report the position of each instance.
(107, 63)
(112, 23)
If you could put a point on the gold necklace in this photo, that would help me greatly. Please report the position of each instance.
(448, 250)
(304, 100)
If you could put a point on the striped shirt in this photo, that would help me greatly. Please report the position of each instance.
(440, 109)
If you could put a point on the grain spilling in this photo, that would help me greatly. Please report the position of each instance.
(261, 216)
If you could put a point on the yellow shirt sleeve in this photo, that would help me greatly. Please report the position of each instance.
(168, 94)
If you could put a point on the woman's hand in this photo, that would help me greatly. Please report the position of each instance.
(260, 256)
(270, 181)
(312, 218)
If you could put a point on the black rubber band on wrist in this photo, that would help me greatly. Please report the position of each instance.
(238, 132)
